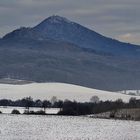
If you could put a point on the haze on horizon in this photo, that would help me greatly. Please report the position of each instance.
(116, 19)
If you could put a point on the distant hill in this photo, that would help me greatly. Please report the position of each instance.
(59, 50)
(61, 90)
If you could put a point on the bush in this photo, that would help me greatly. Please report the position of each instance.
(15, 112)
(0, 112)
(112, 115)
(41, 112)
(68, 112)
(26, 112)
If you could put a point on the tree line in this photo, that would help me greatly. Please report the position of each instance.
(76, 108)
(68, 107)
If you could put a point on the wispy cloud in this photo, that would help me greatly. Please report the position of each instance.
(129, 37)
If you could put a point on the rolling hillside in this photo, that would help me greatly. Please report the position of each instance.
(60, 90)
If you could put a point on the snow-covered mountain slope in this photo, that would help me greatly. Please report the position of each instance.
(61, 90)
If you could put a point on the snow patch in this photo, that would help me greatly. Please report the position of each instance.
(58, 19)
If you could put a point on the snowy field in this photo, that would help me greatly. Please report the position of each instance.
(24, 127)
(61, 90)
(9, 109)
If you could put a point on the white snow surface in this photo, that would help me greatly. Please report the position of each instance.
(26, 127)
(9, 109)
(60, 90)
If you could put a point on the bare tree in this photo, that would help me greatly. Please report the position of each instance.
(94, 99)
(45, 104)
(28, 102)
(53, 100)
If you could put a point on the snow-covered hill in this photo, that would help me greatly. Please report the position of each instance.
(61, 90)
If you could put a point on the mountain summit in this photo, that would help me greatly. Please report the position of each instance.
(56, 19)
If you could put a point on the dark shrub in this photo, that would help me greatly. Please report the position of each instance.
(112, 115)
(41, 112)
(0, 112)
(68, 112)
(15, 112)
(26, 112)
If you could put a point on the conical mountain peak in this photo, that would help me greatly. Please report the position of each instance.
(56, 19)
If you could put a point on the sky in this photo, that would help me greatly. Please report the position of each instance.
(118, 19)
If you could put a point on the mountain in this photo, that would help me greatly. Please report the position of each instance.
(59, 50)
(61, 29)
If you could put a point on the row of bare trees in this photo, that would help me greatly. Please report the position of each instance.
(68, 107)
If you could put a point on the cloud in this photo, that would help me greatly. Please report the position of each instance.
(128, 37)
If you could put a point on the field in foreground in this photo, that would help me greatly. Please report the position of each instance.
(61, 90)
(24, 127)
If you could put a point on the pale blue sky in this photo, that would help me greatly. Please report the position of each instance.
(117, 19)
